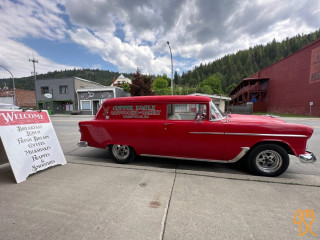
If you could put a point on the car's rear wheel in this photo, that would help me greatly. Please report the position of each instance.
(269, 160)
(122, 153)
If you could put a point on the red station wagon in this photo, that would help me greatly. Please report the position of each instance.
(192, 128)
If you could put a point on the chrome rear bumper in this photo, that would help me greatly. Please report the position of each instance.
(308, 157)
(83, 144)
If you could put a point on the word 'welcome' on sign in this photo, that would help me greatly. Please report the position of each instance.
(29, 141)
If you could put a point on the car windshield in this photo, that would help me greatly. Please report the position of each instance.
(215, 113)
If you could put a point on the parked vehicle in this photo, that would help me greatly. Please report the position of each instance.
(192, 128)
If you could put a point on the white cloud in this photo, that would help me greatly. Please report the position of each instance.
(15, 56)
(31, 18)
(131, 34)
(122, 54)
(34, 19)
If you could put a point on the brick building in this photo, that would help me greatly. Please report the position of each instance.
(291, 85)
(24, 98)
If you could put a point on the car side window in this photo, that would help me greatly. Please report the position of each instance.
(187, 111)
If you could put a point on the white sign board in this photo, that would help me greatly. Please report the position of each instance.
(30, 142)
(48, 95)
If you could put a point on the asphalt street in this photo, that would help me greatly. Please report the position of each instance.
(152, 198)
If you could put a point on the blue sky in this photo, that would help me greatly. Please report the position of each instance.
(72, 53)
(121, 35)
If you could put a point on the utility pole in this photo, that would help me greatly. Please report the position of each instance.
(34, 61)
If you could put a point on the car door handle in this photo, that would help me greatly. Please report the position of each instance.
(166, 124)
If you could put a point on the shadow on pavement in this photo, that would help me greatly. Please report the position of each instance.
(101, 155)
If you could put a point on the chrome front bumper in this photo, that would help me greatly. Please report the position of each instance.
(83, 144)
(308, 157)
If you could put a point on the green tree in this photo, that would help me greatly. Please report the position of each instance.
(164, 76)
(176, 78)
(141, 85)
(186, 90)
(214, 82)
(126, 87)
(177, 91)
(160, 86)
(207, 90)
(230, 88)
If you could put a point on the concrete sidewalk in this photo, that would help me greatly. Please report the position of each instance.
(88, 199)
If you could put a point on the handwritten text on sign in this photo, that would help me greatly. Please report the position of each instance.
(30, 142)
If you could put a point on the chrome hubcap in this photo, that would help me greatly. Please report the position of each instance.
(269, 161)
(121, 151)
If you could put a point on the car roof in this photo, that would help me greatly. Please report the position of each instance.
(159, 99)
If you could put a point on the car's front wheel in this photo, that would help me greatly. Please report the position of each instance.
(122, 153)
(269, 160)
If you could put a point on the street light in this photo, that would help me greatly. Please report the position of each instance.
(14, 88)
(171, 69)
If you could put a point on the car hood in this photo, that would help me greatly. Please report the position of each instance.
(264, 125)
(254, 119)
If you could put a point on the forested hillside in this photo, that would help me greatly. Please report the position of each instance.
(244, 63)
(218, 77)
(96, 75)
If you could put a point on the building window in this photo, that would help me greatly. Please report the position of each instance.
(85, 105)
(63, 89)
(69, 107)
(44, 90)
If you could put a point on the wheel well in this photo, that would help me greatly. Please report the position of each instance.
(111, 144)
(285, 146)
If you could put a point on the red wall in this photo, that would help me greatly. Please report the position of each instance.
(290, 87)
(26, 98)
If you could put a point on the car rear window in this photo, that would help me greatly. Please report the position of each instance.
(187, 111)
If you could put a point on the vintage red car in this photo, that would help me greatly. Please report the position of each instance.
(192, 128)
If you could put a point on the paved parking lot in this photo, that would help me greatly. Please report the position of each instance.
(93, 198)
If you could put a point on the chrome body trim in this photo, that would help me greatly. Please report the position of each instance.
(266, 135)
(208, 133)
(250, 134)
(240, 155)
(308, 157)
(83, 144)
(237, 158)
